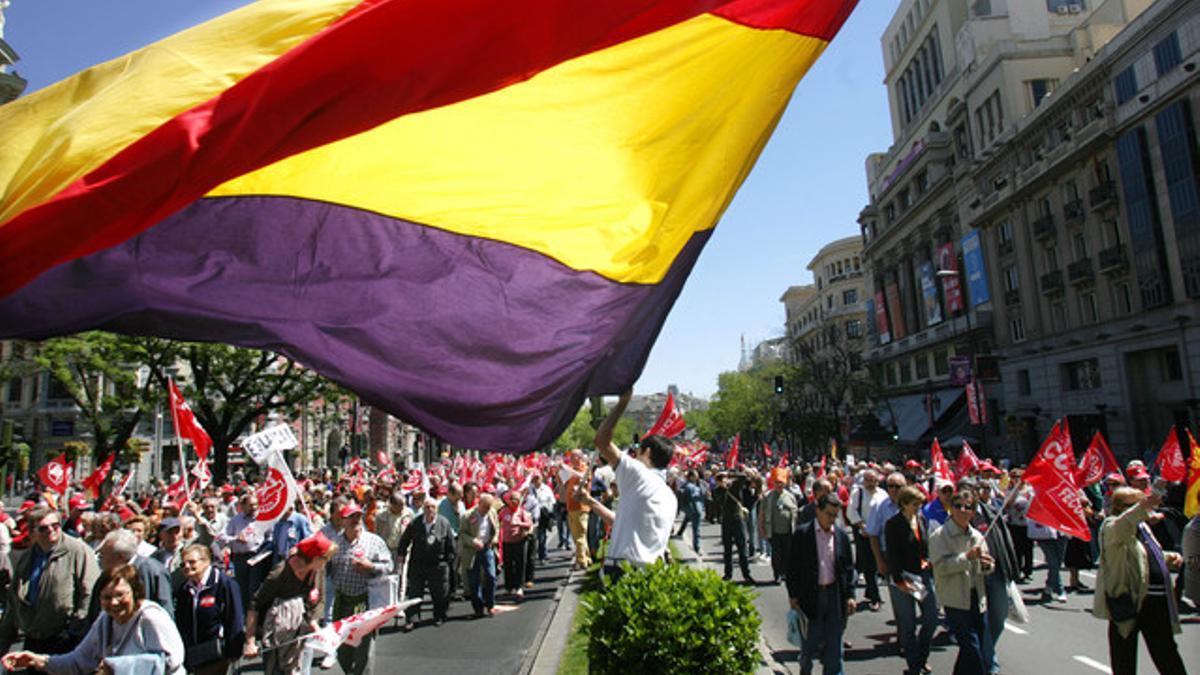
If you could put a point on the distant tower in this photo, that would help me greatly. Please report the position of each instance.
(744, 363)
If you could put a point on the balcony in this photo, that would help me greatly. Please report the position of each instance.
(1073, 210)
(1103, 194)
(1005, 247)
(1012, 297)
(1051, 283)
(1113, 260)
(1043, 228)
(1080, 271)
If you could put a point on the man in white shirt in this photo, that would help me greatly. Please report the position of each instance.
(864, 498)
(646, 509)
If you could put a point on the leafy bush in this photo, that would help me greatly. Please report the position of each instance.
(671, 619)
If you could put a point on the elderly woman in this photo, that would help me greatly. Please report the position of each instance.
(907, 536)
(1133, 586)
(289, 602)
(132, 630)
(515, 526)
(208, 613)
(960, 564)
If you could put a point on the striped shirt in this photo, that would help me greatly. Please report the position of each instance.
(348, 579)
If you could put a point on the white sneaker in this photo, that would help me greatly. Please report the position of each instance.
(1061, 597)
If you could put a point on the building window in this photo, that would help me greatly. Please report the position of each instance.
(922, 366)
(16, 387)
(1177, 142)
(1170, 368)
(1016, 329)
(1145, 225)
(854, 328)
(1005, 232)
(941, 362)
(905, 371)
(1064, 6)
(1023, 386)
(889, 374)
(56, 390)
(1123, 298)
(1058, 316)
(1051, 258)
(1012, 280)
(1089, 312)
(1167, 54)
(1040, 89)
(1079, 246)
(829, 302)
(1081, 375)
(850, 297)
(1125, 85)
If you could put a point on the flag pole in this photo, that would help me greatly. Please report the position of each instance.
(187, 486)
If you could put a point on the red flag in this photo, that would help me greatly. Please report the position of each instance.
(1096, 463)
(967, 461)
(56, 474)
(94, 481)
(186, 425)
(732, 457)
(1170, 464)
(1191, 498)
(973, 403)
(783, 462)
(767, 450)
(1056, 502)
(670, 421)
(177, 492)
(821, 469)
(383, 459)
(941, 467)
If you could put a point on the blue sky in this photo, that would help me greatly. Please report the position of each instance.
(807, 189)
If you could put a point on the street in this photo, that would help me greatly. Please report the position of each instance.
(1060, 639)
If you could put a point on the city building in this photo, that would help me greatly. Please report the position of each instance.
(962, 79)
(643, 409)
(11, 84)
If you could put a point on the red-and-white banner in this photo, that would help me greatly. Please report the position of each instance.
(731, 458)
(277, 491)
(973, 403)
(670, 421)
(353, 629)
(185, 422)
(1170, 464)
(1096, 463)
(56, 474)
(1057, 503)
(967, 461)
(941, 466)
(94, 481)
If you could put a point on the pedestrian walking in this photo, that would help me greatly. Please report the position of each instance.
(820, 583)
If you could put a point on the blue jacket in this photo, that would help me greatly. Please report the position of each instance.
(212, 611)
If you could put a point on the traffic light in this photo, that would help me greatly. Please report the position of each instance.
(778, 384)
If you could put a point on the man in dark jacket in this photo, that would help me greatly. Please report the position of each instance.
(432, 544)
(733, 524)
(820, 582)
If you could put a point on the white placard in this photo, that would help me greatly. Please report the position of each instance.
(262, 445)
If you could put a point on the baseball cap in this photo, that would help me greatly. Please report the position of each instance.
(315, 546)
(912, 464)
(351, 509)
(1138, 473)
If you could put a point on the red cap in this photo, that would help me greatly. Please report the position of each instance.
(1114, 477)
(912, 464)
(315, 546)
(26, 505)
(988, 466)
(1137, 473)
(80, 502)
(351, 509)
(126, 513)
(227, 489)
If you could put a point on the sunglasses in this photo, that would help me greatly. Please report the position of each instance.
(893, 486)
(964, 507)
(48, 527)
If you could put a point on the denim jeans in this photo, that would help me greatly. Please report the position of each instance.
(751, 530)
(970, 629)
(916, 644)
(997, 611)
(692, 519)
(824, 634)
(481, 580)
(1054, 550)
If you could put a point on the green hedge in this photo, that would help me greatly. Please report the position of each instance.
(671, 619)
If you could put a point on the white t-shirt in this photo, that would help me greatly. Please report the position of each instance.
(645, 512)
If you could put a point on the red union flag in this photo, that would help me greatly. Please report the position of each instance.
(186, 424)
(670, 421)
(94, 481)
(767, 450)
(967, 461)
(1170, 464)
(732, 457)
(1096, 463)
(941, 467)
(1056, 501)
(56, 474)
(275, 493)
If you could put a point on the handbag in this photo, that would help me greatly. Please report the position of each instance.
(203, 654)
(1017, 611)
(1121, 607)
(797, 624)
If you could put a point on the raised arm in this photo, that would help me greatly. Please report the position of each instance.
(604, 435)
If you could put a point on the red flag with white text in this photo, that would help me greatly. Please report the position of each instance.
(1170, 464)
(1096, 463)
(967, 461)
(185, 422)
(56, 474)
(94, 481)
(670, 421)
(941, 466)
(1056, 502)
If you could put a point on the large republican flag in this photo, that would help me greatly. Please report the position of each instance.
(474, 214)
(1191, 498)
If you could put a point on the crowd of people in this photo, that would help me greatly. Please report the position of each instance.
(194, 585)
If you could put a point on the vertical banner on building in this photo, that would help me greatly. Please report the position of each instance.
(881, 319)
(977, 284)
(951, 285)
(872, 322)
(973, 404)
(929, 293)
(896, 311)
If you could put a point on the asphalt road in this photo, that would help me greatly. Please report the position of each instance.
(1060, 639)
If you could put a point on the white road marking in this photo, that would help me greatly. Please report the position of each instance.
(1093, 663)
(1019, 631)
(1090, 575)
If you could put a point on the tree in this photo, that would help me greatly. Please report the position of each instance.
(581, 433)
(700, 423)
(232, 387)
(833, 372)
(744, 405)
